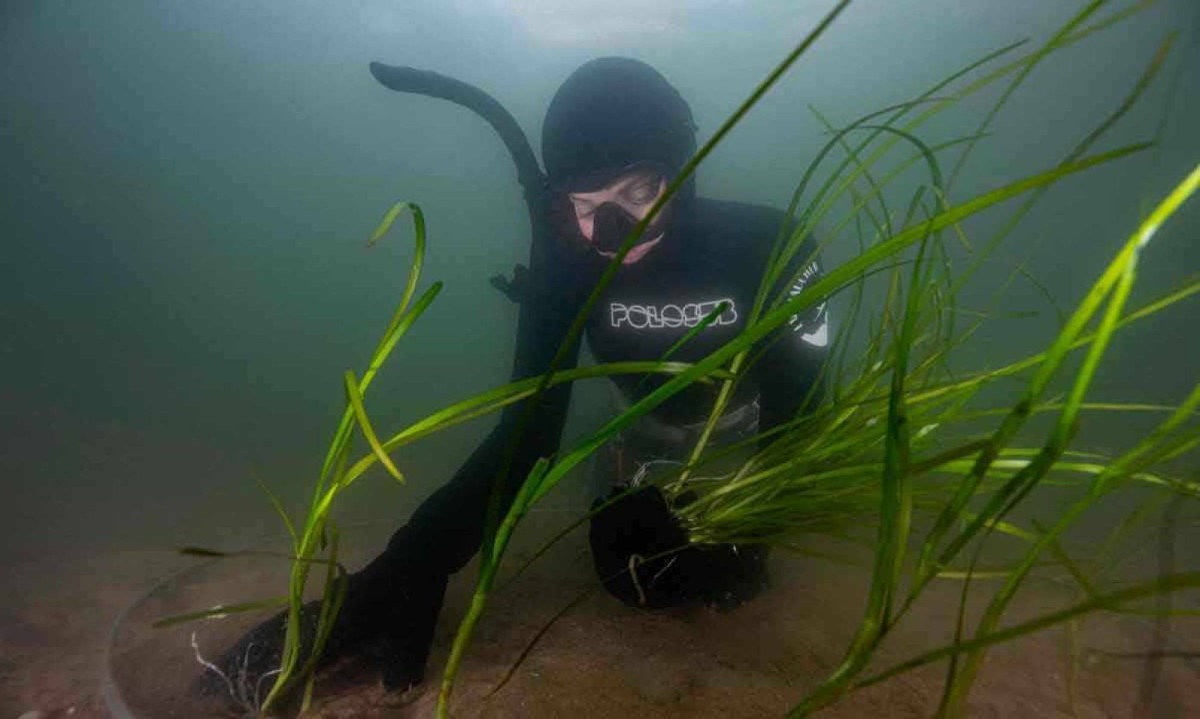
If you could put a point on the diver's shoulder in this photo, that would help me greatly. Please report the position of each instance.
(738, 222)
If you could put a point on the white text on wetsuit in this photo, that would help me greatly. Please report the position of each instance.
(642, 317)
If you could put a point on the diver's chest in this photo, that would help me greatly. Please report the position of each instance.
(642, 321)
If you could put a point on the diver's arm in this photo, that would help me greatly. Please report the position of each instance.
(789, 373)
(394, 601)
(445, 531)
(391, 605)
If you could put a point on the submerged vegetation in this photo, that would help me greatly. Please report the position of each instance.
(907, 456)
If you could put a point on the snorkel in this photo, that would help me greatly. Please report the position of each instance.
(589, 139)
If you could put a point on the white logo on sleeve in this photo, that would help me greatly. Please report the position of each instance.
(813, 325)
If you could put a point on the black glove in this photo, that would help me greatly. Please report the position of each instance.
(634, 543)
(730, 574)
(642, 555)
(387, 619)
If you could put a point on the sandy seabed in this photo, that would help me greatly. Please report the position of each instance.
(601, 659)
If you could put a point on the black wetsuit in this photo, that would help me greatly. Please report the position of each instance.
(715, 251)
(718, 253)
(608, 114)
(718, 256)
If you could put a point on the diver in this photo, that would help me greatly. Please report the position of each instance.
(614, 136)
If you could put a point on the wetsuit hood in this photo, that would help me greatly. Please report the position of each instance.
(610, 114)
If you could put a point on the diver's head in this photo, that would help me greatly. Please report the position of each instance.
(614, 136)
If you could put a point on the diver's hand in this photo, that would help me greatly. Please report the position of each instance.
(732, 574)
(388, 625)
(639, 548)
(642, 554)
